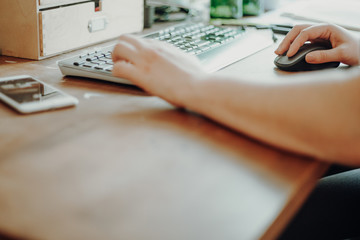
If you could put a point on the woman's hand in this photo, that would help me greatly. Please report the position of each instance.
(157, 67)
(345, 47)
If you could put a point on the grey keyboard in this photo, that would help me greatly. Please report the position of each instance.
(216, 48)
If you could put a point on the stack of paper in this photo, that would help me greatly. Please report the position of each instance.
(345, 13)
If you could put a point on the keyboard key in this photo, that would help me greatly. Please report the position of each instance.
(92, 58)
(79, 63)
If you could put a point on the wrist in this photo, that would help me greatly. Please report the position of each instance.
(190, 92)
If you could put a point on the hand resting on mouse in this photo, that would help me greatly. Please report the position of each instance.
(298, 63)
(345, 47)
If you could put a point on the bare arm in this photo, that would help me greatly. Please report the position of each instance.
(313, 114)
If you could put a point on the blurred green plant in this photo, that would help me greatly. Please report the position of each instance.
(253, 7)
(226, 9)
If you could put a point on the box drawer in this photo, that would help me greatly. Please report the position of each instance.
(47, 3)
(70, 27)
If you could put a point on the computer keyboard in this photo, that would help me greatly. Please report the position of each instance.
(216, 47)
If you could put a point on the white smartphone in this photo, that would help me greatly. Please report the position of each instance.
(27, 94)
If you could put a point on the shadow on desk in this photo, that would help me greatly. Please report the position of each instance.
(3, 237)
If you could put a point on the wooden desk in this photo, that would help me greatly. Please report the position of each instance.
(126, 165)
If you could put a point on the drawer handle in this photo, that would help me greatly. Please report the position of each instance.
(97, 24)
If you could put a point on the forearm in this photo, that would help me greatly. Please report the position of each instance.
(318, 117)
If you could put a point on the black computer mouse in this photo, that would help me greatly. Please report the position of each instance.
(298, 63)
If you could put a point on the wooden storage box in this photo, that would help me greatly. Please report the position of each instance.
(37, 29)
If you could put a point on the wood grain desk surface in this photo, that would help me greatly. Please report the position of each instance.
(126, 165)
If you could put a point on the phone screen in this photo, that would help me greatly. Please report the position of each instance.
(27, 95)
(27, 90)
